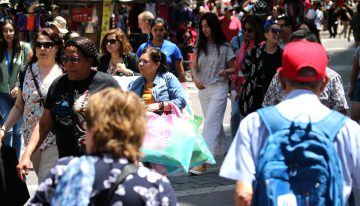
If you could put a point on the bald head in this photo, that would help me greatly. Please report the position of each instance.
(144, 20)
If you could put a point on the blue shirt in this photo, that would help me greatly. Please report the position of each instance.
(170, 49)
(242, 157)
(166, 87)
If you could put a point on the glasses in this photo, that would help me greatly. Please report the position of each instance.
(111, 41)
(276, 31)
(73, 59)
(8, 31)
(46, 45)
(249, 30)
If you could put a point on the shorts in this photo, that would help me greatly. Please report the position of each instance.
(356, 95)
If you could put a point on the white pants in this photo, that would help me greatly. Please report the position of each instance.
(213, 101)
(44, 160)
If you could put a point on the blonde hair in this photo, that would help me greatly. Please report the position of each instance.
(118, 123)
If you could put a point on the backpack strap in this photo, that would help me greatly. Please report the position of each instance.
(272, 119)
(331, 124)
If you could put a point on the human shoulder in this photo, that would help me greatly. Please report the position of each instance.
(106, 79)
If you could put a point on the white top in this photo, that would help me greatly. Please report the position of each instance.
(239, 164)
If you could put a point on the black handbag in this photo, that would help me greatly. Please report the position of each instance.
(13, 191)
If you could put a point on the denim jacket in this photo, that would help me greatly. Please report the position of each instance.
(166, 87)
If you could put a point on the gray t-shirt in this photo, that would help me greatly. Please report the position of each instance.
(208, 66)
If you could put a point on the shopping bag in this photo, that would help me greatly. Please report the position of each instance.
(169, 140)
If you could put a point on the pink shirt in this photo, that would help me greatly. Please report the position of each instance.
(230, 27)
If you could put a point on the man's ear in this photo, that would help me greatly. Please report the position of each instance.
(324, 83)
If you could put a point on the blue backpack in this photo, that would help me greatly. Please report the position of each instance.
(298, 164)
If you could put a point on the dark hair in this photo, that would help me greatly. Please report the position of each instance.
(86, 47)
(303, 34)
(67, 35)
(16, 42)
(216, 33)
(313, 29)
(159, 20)
(288, 21)
(54, 37)
(257, 25)
(157, 56)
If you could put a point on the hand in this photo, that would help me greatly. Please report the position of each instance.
(199, 84)
(243, 194)
(152, 107)
(120, 67)
(14, 92)
(222, 73)
(23, 168)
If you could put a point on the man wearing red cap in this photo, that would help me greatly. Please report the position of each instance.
(303, 77)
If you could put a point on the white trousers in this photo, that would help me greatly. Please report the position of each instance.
(213, 101)
(44, 160)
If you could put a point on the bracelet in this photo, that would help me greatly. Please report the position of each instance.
(2, 129)
(161, 105)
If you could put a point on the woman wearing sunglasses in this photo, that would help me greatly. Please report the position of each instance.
(66, 101)
(118, 58)
(13, 54)
(173, 54)
(259, 66)
(253, 33)
(35, 80)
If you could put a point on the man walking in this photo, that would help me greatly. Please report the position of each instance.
(303, 77)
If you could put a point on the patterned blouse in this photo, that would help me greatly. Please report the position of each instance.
(32, 108)
(333, 95)
(96, 174)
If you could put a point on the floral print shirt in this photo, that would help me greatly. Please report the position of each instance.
(32, 107)
(98, 173)
(333, 95)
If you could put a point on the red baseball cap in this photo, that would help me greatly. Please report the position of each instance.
(298, 55)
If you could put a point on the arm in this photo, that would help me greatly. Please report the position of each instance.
(229, 70)
(13, 116)
(180, 70)
(198, 83)
(243, 193)
(38, 136)
(354, 75)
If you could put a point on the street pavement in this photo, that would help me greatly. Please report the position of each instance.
(210, 189)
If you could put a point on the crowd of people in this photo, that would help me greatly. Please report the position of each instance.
(60, 97)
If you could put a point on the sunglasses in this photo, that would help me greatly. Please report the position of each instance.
(111, 41)
(46, 45)
(276, 31)
(74, 59)
(249, 30)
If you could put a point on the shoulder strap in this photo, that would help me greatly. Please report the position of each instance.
(42, 101)
(331, 124)
(272, 119)
(128, 169)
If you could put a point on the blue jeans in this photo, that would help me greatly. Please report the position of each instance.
(235, 117)
(13, 137)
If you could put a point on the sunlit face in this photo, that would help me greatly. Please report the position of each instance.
(273, 35)
(147, 66)
(77, 67)
(112, 44)
(158, 31)
(45, 48)
(8, 33)
(206, 29)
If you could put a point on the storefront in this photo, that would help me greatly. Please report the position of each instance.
(84, 17)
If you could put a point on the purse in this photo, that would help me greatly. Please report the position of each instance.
(13, 191)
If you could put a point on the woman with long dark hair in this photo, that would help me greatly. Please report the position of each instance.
(35, 80)
(214, 62)
(13, 54)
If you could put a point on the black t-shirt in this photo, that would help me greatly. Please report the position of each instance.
(67, 101)
(271, 63)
